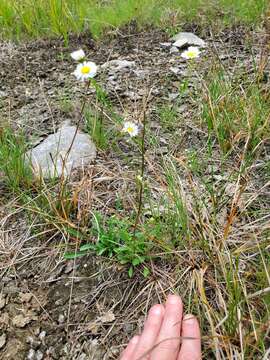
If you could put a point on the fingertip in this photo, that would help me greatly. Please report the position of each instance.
(191, 338)
(174, 300)
(190, 319)
(157, 310)
(127, 353)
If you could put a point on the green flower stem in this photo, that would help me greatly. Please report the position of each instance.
(140, 195)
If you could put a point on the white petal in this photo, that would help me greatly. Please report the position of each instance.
(78, 55)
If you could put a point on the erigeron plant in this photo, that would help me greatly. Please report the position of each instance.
(192, 52)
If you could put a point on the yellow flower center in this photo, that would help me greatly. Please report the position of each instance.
(191, 54)
(85, 69)
(130, 129)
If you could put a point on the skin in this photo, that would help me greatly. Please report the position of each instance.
(160, 339)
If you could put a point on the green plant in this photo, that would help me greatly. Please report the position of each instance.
(34, 18)
(114, 237)
(95, 127)
(168, 116)
(13, 161)
(236, 114)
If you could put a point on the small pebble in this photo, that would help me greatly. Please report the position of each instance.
(31, 354)
(39, 355)
(42, 335)
(174, 50)
(61, 318)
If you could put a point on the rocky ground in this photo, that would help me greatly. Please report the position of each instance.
(57, 309)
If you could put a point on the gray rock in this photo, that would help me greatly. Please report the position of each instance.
(31, 354)
(42, 335)
(118, 65)
(51, 158)
(141, 74)
(3, 94)
(174, 50)
(3, 339)
(2, 301)
(186, 38)
(39, 355)
(175, 70)
(20, 321)
(61, 318)
(33, 342)
(165, 45)
(173, 96)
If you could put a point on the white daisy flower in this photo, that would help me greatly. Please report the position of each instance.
(85, 70)
(191, 53)
(78, 55)
(131, 128)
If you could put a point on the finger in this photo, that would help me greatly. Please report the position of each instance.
(150, 332)
(191, 348)
(168, 340)
(127, 353)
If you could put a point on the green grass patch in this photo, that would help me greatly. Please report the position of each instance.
(13, 165)
(236, 112)
(35, 18)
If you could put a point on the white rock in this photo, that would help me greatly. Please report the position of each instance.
(39, 355)
(51, 158)
(118, 65)
(174, 50)
(2, 301)
(186, 38)
(31, 354)
(42, 335)
(3, 339)
(173, 96)
(165, 45)
(61, 318)
(175, 70)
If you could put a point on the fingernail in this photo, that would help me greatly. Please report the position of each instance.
(173, 299)
(189, 318)
(156, 310)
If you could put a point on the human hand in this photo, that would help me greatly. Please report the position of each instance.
(167, 335)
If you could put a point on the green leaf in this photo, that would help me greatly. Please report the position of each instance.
(87, 247)
(146, 272)
(69, 256)
(130, 272)
(137, 261)
(75, 233)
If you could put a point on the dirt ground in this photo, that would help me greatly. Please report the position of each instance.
(57, 309)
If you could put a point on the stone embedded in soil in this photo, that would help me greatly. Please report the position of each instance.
(165, 45)
(118, 65)
(61, 318)
(31, 354)
(3, 339)
(52, 157)
(42, 335)
(2, 301)
(20, 321)
(186, 38)
(39, 355)
(173, 96)
(174, 50)
(25, 297)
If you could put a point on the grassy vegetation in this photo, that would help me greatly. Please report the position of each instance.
(34, 18)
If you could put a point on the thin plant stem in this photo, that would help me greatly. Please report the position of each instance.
(140, 196)
(79, 121)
